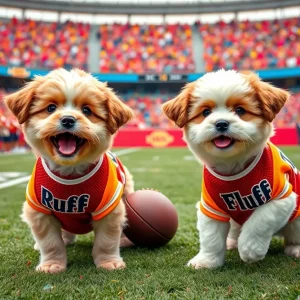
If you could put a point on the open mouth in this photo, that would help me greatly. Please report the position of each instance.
(67, 144)
(223, 142)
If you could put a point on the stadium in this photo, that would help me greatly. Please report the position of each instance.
(147, 51)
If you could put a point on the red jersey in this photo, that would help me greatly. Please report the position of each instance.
(271, 176)
(76, 202)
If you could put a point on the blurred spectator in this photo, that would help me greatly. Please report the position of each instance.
(35, 44)
(289, 116)
(251, 45)
(147, 110)
(148, 113)
(11, 136)
(127, 48)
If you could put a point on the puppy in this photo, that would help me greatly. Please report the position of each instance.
(227, 118)
(77, 185)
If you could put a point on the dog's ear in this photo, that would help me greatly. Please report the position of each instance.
(118, 113)
(271, 98)
(19, 102)
(177, 108)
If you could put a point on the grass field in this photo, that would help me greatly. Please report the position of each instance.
(150, 274)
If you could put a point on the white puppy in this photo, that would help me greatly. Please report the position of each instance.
(227, 121)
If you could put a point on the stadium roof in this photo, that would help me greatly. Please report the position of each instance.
(141, 2)
(148, 7)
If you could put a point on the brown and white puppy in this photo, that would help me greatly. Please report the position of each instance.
(69, 119)
(227, 118)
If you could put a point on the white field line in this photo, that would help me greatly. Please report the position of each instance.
(26, 178)
(15, 153)
(126, 151)
(14, 182)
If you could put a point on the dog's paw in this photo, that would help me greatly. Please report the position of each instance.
(253, 249)
(231, 244)
(68, 242)
(36, 246)
(292, 250)
(125, 242)
(68, 238)
(51, 267)
(112, 265)
(199, 262)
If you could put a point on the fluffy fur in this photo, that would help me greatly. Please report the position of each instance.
(248, 105)
(40, 106)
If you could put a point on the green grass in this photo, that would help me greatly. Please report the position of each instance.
(150, 274)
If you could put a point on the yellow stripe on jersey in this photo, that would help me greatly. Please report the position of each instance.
(281, 186)
(210, 208)
(112, 193)
(31, 196)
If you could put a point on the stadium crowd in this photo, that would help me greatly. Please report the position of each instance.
(35, 44)
(127, 48)
(251, 45)
(166, 48)
(148, 115)
(133, 48)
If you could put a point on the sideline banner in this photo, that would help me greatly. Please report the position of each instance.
(157, 138)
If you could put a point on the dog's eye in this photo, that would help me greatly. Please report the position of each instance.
(206, 112)
(86, 110)
(240, 111)
(51, 108)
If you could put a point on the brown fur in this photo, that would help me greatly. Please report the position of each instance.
(271, 99)
(178, 108)
(20, 102)
(119, 113)
(249, 103)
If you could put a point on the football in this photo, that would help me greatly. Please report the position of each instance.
(152, 219)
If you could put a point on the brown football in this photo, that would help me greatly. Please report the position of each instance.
(152, 218)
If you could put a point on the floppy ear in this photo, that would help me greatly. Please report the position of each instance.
(177, 108)
(270, 97)
(118, 113)
(20, 101)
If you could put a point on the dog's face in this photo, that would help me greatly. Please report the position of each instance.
(69, 117)
(226, 114)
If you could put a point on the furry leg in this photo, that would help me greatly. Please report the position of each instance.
(233, 235)
(68, 237)
(213, 235)
(291, 234)
(106, 249)
(266, 220)
(46, 230)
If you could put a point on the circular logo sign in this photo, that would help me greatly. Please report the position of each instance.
(159, 139)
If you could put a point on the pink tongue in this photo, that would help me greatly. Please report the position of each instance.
(222, 141)
(67, 145)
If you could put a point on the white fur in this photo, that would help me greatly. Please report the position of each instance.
(219, 86)
(213, 242)
(265, 221)
(253, 238)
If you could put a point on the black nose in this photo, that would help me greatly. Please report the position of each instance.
(222, 125)
(68, 122)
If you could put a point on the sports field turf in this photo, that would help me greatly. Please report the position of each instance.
(150, 274)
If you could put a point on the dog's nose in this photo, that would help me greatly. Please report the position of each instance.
(68, 122)
(222, 125)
